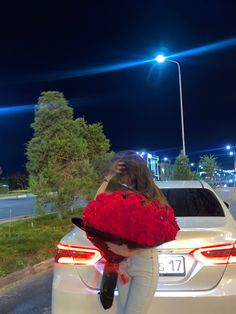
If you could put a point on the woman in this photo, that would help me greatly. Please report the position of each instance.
(140, 265)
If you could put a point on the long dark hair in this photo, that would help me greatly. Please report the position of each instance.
(137, 176)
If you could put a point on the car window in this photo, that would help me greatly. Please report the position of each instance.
(193, 202)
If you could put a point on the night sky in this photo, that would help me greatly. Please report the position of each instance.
(45, 45)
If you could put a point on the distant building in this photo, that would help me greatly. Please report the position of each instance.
(152, 163)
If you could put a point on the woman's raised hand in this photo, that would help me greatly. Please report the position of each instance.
(117, 168)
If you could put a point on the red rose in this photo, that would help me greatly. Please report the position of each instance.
(131, 217)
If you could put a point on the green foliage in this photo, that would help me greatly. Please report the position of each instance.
(209, 165)
(4, 189)
(17, 180)
(102, 166)
(97, 147)
(97, 143)
(196, 176)
(58, 164)
(181, 169)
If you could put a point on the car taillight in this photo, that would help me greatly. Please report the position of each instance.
(216, 255)
(76, 255)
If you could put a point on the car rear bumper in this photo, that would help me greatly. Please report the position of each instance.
(71, 296)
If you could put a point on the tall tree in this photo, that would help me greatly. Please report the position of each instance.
(97, 143)
(209, 165)
(58, 164)
(181, 169)
(97, 146)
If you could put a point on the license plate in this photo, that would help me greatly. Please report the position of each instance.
(171, 265)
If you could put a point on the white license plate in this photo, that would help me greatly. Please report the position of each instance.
(171, 265)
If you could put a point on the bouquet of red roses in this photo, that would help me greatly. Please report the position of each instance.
(128, 218)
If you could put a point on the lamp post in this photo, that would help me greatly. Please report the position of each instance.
(161, 59)
(165, 168)
(232, 153)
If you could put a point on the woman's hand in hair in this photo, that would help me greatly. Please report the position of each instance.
(118, 168)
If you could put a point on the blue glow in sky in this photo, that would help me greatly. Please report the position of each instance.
(16, 109)
(121, 66)
(95, 70)
(207, 48)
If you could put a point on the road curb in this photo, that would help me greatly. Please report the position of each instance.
(13, 197)
(30, 270)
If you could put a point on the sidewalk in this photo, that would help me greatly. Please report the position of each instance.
(5, 220)
(9, 197)
(20, 274)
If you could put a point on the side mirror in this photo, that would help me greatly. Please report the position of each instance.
(227, 204)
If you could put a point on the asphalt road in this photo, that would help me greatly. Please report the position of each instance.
(17, 207)
(25, 206)
(10, 208)
(32, 295)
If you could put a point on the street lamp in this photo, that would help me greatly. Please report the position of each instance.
(232, 153)
(161, 59)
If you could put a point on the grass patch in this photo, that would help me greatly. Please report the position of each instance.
(28, 242)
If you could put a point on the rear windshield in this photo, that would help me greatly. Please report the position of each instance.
(193, 202)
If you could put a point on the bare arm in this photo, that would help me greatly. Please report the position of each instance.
(123, 249)
(103, 186)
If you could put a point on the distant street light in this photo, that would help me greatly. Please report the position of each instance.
(232, 153)
(161, 59)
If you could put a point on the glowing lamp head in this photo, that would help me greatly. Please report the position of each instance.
(160, 58)
(228, 147)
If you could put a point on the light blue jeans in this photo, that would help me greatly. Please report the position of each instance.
(142, 271)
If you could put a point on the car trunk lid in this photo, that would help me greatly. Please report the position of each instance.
(179, 269)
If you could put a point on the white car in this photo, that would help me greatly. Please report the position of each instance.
(197, 270)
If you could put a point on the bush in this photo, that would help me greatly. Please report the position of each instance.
(4, 189)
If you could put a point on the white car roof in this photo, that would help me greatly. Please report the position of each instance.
(182, 184)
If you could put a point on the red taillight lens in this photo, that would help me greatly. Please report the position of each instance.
(216, 255)
(76, 255)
